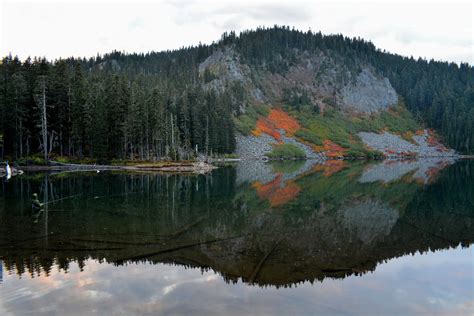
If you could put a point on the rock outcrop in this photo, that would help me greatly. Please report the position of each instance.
(369, 94)
(421, 170)
(392, 145)
(256, 147)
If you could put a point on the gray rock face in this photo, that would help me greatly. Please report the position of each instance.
(369, 94)
(226, 67)
(369, 220)
(387, 141)
(249, 171)
(307, 150)
(316, 74)
(391, 144)
(251, 147)
(419, 169)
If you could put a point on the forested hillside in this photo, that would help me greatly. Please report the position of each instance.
(171, 104)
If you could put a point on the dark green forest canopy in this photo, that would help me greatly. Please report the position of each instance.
(153, 105)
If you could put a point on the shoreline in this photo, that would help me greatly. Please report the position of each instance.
(198, 167)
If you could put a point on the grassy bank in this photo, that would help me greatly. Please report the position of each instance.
(286, 151)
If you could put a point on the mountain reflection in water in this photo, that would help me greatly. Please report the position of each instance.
(268, 224)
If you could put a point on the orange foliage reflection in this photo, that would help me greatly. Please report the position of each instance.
(276, 192)
(330, 167)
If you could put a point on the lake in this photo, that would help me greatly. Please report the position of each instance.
(287, 238)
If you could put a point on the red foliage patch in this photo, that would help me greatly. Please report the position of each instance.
(283, 120)
(277, 119)
(267, 127)
(331, 149)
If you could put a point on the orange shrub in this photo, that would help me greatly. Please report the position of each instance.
(408, 135)
(333, 150)
(267, 127)
(432, 141)
(277, 119)
(283, 120)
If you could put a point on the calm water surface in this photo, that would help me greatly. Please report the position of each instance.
(299, 238)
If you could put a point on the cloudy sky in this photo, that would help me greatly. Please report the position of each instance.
(441, 30)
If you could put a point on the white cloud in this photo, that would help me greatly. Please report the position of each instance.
(432, 29)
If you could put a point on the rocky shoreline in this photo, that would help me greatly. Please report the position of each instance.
(391, 146)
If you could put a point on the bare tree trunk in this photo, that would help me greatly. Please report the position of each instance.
(44, 122)
(147, 132)
(16, 127)
(51, 140)
(172, 132)
(61, 142)
(69, 141)
(28, 145)
(207, 138)
(21, 139)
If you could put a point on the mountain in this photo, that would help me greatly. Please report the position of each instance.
(272, 91)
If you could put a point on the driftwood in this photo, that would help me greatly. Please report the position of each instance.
(175, 234)
(115, 242)
(163, 251)
(65, 249)
(426, 231)
(184, 229)
(260, 264)
(17, 242)
(171, 167)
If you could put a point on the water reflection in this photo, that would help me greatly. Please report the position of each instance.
(267, 224)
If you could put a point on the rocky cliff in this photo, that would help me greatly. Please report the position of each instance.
(315, 75)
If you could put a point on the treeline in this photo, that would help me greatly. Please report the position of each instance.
(100, 113)
(155, 105)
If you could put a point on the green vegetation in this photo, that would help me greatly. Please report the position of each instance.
(245, 123)
(342, 186)
(31, 160)
(342, 129)
(397, 120)
(230, 156)
(286, 166)
(286, 151)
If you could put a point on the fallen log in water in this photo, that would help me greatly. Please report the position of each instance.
(166, 167)
(159, 252)
(260, 264)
